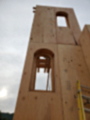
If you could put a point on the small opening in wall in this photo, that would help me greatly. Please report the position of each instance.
(61, 21)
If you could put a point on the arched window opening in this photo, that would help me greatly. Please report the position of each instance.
(42, 75)
(62, 19)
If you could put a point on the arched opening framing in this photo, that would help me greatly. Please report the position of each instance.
(42, 78)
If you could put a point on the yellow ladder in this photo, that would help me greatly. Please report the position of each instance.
(80, 102)
(81, 108)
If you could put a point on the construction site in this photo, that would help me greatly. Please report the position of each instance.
(63, 56)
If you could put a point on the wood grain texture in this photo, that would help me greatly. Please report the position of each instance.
(73, 24)
(39, 105)
(72, 68)
(88, 27)
(65, 36)
(37, 27)
(49, 33)
(43, 29)
(71, 62)
(85, 44)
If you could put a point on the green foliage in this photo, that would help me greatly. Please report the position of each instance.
(6, 116)
(0, 115)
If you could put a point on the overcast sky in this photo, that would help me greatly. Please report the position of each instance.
(16, 18)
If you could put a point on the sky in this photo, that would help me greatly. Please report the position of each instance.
(16, 17)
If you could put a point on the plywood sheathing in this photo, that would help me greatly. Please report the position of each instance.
(85, 44)
(49, 33)
(72, 68)
(39, 105)
(65, 36)
(73, 24)
(45, 29)
(88, 27)
(71, 63)
(37, 27)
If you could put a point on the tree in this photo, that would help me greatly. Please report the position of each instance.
(4, 119)
(0, 115)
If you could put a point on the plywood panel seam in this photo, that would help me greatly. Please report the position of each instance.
(61, 87)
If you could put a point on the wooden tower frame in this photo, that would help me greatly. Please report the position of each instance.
(66, 52)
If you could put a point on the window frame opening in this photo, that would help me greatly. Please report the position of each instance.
(43, 59)
(43, 80)
(65, 15)
(61, 21)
